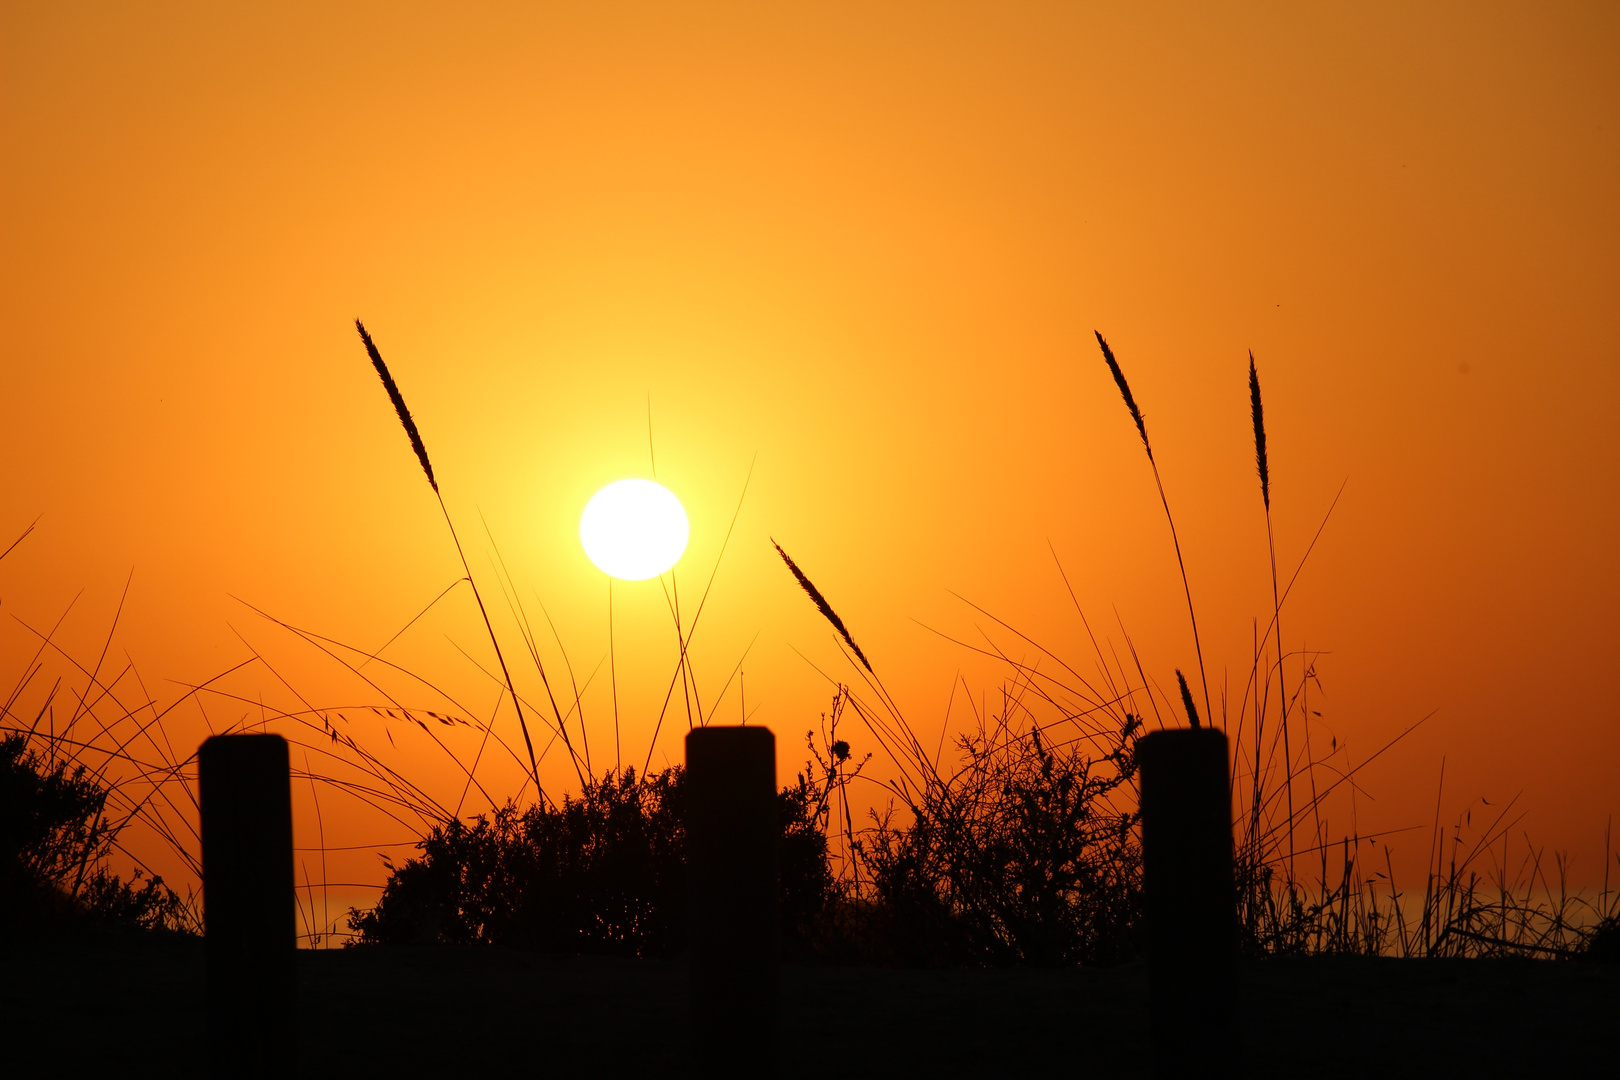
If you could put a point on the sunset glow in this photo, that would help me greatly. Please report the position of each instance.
(846, 262)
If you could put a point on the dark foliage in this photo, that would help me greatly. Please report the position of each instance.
(1021, 860)
(54, 834)
(1603, 943)
(807, 881)
(604, 873)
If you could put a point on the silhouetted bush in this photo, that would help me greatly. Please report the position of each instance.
(603, 873)
(1603, 942)
(54, 836)
(1019, 858)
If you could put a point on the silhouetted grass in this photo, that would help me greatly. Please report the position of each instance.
(67, 795)
(1018, 845)
(55, 836)
(1175, 539)
(821, 605)
(417, 446)
(955, 877)
(1021, 851)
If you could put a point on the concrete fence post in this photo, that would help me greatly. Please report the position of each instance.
(734, 930)
(249, 912)
(1190, 903)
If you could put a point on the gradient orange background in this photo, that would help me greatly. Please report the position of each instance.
(869, 244)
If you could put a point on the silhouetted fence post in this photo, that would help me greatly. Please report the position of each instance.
(1190, 903)
(249, 913)
(734, 929)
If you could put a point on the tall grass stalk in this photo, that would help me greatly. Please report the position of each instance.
(1464, 908)
(1262, 466)
(405, 420)
(1181, 564)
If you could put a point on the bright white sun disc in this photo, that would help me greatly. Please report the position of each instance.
(633, 529)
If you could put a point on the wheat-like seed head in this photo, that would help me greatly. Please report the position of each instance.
(1125, 392)
(821, 604)
(1259, 415)
(1186, 698)
(399, 404)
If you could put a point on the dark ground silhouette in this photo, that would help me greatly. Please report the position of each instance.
(133, 1006)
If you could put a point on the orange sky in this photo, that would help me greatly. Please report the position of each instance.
(868, 243)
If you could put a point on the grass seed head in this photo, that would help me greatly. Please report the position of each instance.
(399, 404)
(1125, 392)
(1186, 698)
(821, 604)
(1258, 413)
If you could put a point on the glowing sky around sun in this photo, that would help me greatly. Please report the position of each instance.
(851, 255)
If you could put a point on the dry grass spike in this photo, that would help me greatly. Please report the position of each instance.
(1258, 413)
(399, 404)
(821, 605)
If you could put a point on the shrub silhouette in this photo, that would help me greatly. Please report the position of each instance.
(1603, 942)
(603, 873)
(54, 836)
(1020, 858)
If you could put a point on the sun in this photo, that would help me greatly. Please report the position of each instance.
(634, 529)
